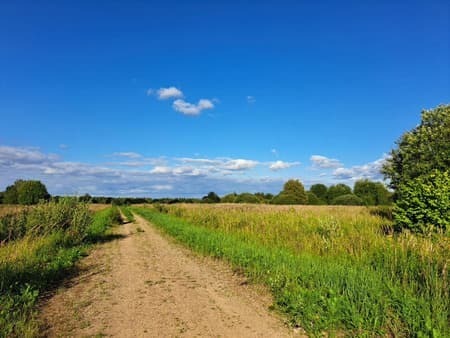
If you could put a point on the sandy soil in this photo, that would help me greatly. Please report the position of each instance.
(145, 285)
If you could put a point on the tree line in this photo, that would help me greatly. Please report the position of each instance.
(364, 192)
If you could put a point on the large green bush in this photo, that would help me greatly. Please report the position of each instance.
(336, 191)
(424, 203)
(348, 199)
(247, 198)
(293, 193)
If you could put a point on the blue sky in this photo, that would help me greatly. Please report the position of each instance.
(178, 98)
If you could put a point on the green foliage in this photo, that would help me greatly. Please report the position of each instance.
(128, 214)
(264, 197)
(313, 199)
(247, 198)
(293, 193)
(423, 203)
(320, 190)
(371, 193)
(421, 150)
(25, 192)
(348, 199)
(230, 198)
(336, 191)
(65, 215)
(418, 171)
(41, 256)
(212, 197)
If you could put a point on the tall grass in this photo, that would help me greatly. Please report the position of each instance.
(330, 268)
(127, 212)
(52, 238)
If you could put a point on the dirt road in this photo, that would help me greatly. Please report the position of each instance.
(144, 285)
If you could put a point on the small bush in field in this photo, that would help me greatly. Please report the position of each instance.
(348, 199)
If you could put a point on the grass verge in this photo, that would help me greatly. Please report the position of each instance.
(37, 261)
(331, 294)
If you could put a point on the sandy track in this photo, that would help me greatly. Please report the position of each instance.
(144, 285)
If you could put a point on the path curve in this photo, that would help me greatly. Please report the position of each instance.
(145, 285)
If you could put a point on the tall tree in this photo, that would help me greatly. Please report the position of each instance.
(419, 170)
(320, 190)
(293, 193)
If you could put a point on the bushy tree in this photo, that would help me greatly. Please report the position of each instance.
(418, 170)
(421, 150)
(265, 198)
(371, 193)
(212, 197)
(348, 199)
(424, 203)
(247, 197)
(25, 192)
(320, 190)
(293, 193)
(336, 191)
(313, 200)
(230, 198)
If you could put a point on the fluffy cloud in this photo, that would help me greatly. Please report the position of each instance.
(239, 164)
(369, 170)
(324, 162)
(161, 170)
(187, 108)
(169, 93)
(279, 165)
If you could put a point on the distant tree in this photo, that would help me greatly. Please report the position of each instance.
(265, 198)
(313, 200)
(293, 193)
(25, 192)
(10, 195)
(31, 192)
(1, 197)
(348, 199)
(230, 198)
(85, 198)
(212, 197)
(247, 198)
(320, 190)
(336, 191)
(371, 193)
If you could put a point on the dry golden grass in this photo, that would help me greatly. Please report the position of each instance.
(98, 207)
(11, 208)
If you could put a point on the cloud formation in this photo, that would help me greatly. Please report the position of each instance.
(279, 165)
(169, 93)
(187, 108)
(371, 170)
(324, 162)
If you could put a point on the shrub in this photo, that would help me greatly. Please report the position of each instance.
(287, 199)
(336, 191)
(348, 199)
(313, 199)
(320, 190)
(230, 198)
(247, 198)
(424, 203)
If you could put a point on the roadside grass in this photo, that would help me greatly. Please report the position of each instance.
(41, 257)
(128, 214)
(330, 269)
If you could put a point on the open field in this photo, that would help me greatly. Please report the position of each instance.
(330, 269)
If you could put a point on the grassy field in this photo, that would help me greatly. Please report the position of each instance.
(331, 269)
(40, 247)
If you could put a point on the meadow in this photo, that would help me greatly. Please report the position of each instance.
(39, 246)
(331, 269)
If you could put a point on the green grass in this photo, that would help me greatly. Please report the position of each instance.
(128, 214)
(37, 261)
(364, 289)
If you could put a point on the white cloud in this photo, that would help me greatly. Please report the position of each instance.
(187, 108)
(251, 99)
(324, 162)
(169, 93)
(279, 165)
(160, 187)
(239, 164)
(369, 170)
(161, 170)
(131, 155)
